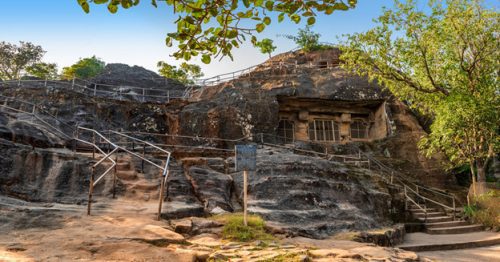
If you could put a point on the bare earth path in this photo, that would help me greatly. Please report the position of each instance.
(125, 230)
(486, 254)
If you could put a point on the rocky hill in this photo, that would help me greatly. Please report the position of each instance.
(299, 194)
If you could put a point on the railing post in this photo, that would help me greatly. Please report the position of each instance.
(93, 148)
(19, 82)
(95, 89)
(114, 177)
(143, 155)
(160, 201)
(45, 84)
(425, 210)
(143, 95)
(406, 199)
(91, 191)
(417, 189)
(73, 83)
(168, 96)
(454, 209)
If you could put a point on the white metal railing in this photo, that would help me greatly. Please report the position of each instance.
(121, 92)
(105, 157)
(418, 188)
(36, 112)
(164, 169)
(95, 89)
(280, 142)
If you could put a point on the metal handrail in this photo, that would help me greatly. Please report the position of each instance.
(106, 156)
(34, 108)
(165, 170)
(71, 86)
(346, 158)
(407, 197)
(186, 136)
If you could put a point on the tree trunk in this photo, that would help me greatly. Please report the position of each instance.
(473, 176)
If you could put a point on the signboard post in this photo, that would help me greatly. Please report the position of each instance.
(246, 160)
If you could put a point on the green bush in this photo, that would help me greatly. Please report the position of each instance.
(485, 210)
(235, 230)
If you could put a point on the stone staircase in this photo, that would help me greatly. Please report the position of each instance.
(136, 185)
(439, 222)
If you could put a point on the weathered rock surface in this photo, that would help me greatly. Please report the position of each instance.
(44, 175)
(314, 197)
(212, 188)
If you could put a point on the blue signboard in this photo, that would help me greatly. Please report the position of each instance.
(246, 157)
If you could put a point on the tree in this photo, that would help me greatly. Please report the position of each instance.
(266, 46)
(15, 59)
(84, 68)
(198, 33)
(306, 39)
(186, 73)
(443, 63)
(43, 70)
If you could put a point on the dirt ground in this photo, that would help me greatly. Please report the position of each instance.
(485, 254)
(125, 230)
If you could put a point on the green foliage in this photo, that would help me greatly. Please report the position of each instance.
(14, 59)
(307, 40)
(485, 210)
(186, 73)
(443, 63)
(234, 229)
(43, 70)
(84, 68)
(266, 46)
(214, 27)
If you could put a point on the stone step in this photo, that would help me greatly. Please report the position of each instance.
(447, 224)
(490, 241)
(455, 230)
(413, 210)
(123, 165)
(144, 186)
(126, 174)
(429, 214)
(436, 219)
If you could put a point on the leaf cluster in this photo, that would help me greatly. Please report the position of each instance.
(16, 58)
(84, 68)
(212, 28)
(443, 62)
(306, 39)
(186, 73)
(43, 70)
(266, 46)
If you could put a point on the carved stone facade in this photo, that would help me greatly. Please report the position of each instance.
(330, 121)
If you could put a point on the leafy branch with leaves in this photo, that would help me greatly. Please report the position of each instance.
(186, 73)
(212, 28)
(444, 63)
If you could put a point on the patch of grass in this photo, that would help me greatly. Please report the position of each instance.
(352, 235)
(235, 230)
(287, 257)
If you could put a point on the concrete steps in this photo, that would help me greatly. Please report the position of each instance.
(436, 219)
(455, 229)
(438, 222)
(419, 242)
(447, 224)
(429, 214)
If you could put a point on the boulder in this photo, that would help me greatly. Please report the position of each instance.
(212, 188)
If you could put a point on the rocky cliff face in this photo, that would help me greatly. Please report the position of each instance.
(303, 195)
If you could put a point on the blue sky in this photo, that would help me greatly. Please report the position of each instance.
(137, 36)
